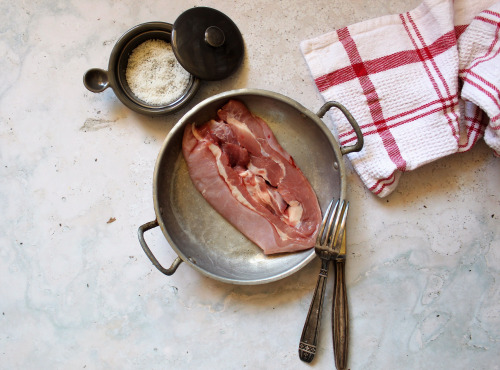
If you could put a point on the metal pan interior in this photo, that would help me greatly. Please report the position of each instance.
(204, 239)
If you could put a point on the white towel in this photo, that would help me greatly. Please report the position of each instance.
(399, 77)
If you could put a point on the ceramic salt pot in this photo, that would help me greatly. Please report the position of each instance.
(155, 68)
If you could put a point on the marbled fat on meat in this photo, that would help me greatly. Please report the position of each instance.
(239, 167)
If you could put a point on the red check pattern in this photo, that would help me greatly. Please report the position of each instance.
(398, 75)
(480, 72)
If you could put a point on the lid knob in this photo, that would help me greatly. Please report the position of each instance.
(214, 36)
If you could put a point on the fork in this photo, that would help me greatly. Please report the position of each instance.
(340, 313)
(327, 248)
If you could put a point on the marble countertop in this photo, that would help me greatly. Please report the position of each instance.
(76, 168)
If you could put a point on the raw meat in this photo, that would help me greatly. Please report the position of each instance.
(239, 167)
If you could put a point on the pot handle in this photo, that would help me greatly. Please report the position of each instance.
(350, 148)
(96, 80)
(142, 229)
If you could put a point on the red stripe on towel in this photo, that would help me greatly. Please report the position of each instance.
(372, 99)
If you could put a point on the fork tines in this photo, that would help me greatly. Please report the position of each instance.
(333, 225)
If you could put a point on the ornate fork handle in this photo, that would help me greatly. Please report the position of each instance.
(310, 333)
(340, 317)
(327, 247)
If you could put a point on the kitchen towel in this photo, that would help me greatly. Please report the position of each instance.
(422, 85)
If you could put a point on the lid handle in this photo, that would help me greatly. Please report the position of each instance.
(214, 36)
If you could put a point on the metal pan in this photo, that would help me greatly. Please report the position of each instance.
(205, 240)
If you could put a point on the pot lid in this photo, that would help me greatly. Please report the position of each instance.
(207, 43)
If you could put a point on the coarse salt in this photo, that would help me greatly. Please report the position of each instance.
(154, 75)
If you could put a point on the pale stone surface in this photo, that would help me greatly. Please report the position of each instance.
(78, 292)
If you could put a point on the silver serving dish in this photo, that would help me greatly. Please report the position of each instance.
(205, 240)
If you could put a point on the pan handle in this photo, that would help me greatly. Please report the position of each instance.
(350, 148)
(142, 229)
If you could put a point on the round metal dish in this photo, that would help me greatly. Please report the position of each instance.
(198, 234)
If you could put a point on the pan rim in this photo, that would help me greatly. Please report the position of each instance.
(180, 126)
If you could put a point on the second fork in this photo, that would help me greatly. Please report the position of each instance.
(327, 247)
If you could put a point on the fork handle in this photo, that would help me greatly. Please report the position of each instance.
(310, 333)
(340, 319)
